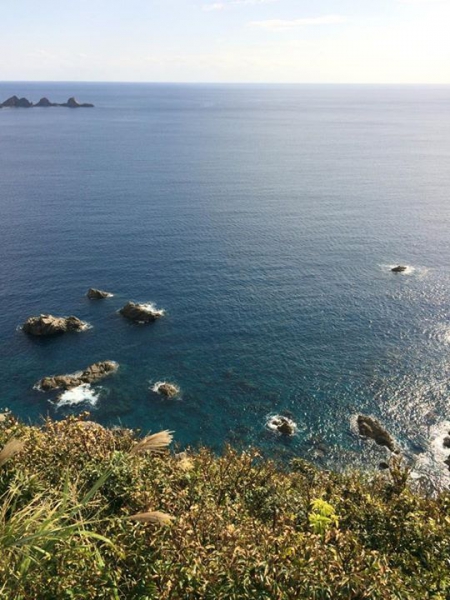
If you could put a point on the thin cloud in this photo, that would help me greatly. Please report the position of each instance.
(215, 6)
(225, 5)
(289, 25)
(424, 1)
(253, 1)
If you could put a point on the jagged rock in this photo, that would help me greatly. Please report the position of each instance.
(370, 428)
(24, 103)
(15, 102)
(286, 427)
(446, 442)
(11, 101)
(167, 389)
(50, 325)
(282, 424)
(383, 465)
(94, 294)
(45, 102)
(399, 269)
(73, 103)
(141, 313)
(90, 375)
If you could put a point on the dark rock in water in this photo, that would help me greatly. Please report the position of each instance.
(370, 428)
(50, 325)
(11, 101)
(24, 103)
(383, 465)
(167, 389)
(94, 294)
(90, 375)
(282, 425)
(447, 462)
(45, 102)
(285, 427)
(15, 102)
(73, 103)
(141, 313)
(399, 269)
(446, 442)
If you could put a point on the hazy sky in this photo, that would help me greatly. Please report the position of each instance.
(367, 41)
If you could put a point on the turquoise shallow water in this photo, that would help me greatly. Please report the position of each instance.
(264, 220)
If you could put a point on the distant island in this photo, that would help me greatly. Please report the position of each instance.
(15, 102)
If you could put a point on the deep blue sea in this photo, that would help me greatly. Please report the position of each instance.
(264, 220)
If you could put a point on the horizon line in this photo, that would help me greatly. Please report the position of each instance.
(346, 83)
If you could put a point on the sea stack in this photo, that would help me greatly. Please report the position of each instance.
(73, 103)
(45, 102)
(50, 325)
(15, 102)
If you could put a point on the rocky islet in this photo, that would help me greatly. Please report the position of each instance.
(45, 325)
(369, 427)
(91, 374)
(16, 102)
(141, 313)
(169, 390)
(94, 294)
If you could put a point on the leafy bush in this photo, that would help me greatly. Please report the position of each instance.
(87, 512)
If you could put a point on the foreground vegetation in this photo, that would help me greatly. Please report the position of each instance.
(87, 512)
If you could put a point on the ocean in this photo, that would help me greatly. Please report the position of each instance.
(264, 219)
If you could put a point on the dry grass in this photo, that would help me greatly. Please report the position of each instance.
(77, 519)
(153, 517)
(10, 449)
(157, 442)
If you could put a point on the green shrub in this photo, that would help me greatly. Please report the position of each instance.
(87, 512)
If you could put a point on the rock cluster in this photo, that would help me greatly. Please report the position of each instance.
(50, 325)
(141, 313)
(370, 428)
(15, 102)
(90, 375)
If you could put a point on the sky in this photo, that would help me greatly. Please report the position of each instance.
(286, 41)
